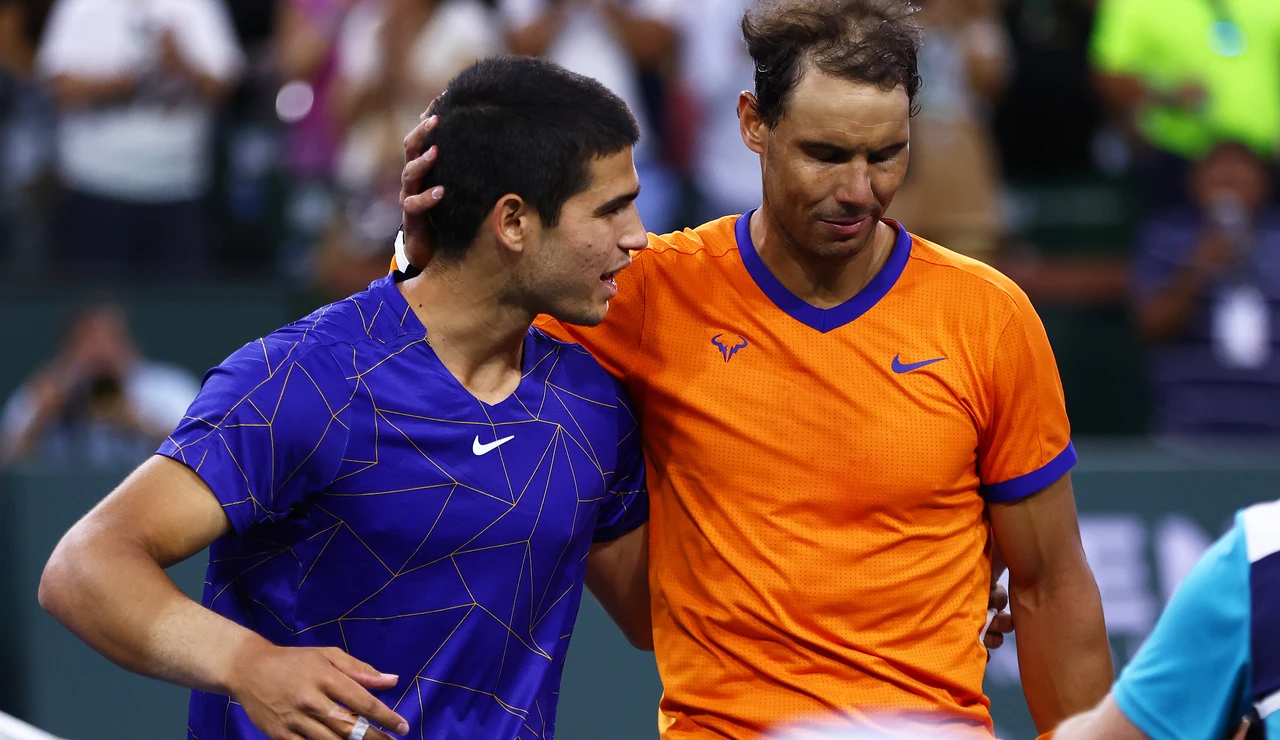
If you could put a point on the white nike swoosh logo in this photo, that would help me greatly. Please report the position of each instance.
(484, 449)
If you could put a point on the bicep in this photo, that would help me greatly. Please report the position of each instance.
(1038, 535)
(618, 576)
(164, 507)
(621, 563)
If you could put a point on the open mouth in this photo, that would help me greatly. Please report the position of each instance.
(610, 279)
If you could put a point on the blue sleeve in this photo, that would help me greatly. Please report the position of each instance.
(1190, 678)
(626, 503)
(267, 429)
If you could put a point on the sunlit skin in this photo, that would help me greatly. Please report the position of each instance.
(830, 168)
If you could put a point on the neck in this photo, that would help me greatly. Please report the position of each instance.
(472, 326)
(820, 282)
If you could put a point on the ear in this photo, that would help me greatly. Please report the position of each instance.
(754, 131)
(514, 223)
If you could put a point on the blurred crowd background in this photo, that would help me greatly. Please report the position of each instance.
(1115, 157)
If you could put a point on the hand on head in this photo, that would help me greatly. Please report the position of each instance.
(414, 203)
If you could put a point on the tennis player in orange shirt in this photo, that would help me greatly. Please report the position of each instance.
(843, 422)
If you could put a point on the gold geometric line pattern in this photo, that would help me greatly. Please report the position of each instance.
(554, 464)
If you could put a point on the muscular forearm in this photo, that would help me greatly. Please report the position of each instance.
(1063, 652)
(115, 597)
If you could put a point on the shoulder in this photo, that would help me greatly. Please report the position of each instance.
(712, 240)
(967, 283)
(367, 324)
(573, 368)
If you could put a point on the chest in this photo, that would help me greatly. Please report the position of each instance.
(880, 411)
(429, 480)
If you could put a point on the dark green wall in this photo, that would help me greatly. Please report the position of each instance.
(197, 327)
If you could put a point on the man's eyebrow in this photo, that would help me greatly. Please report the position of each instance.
(618, 202)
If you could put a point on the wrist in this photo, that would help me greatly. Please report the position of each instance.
(239, 662)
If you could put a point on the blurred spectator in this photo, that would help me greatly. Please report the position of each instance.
(306, 45)
(1186, 75)
(1046, 122)
(953, 188)
(97, 401)
(394, 57)
(715, 69)
(1207, 294)
(613, 41)
(26, 141)
(137, 83)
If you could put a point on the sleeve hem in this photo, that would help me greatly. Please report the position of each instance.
(240, 522)
(1033, 482)
(609, 534)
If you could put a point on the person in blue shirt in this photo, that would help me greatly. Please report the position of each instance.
(1213, 661)
(403, 492)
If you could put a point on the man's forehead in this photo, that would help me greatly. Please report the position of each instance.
(829, 106)
(612, 175)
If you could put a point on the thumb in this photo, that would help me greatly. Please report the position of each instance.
(360, 671)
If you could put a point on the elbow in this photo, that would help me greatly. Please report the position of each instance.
(55, 581)
(61, 582)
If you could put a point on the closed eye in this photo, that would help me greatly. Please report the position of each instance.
(827, 154)
(886, 154)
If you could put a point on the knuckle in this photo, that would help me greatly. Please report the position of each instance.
(306, 702)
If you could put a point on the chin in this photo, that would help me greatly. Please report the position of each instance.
(827, 250)
(582, 315)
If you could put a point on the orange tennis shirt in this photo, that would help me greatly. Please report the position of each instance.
(818, 477)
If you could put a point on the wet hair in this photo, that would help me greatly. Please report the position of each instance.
(869, 41)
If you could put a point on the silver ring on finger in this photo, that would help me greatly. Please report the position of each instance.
(357, 732)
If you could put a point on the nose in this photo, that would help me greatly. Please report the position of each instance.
(633, 235)
(855, 185)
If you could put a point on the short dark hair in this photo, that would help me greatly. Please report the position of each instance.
(517, 125)
(870, 41)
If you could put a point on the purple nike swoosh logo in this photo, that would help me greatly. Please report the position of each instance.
(899, 367)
